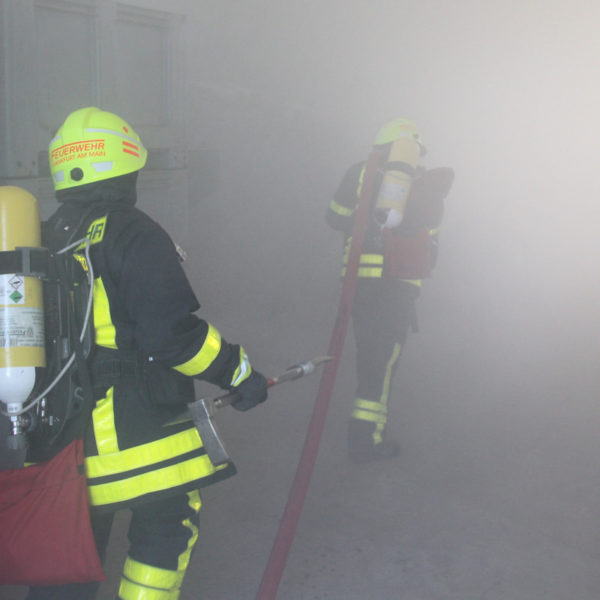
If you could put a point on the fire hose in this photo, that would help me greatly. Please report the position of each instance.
(289, 521)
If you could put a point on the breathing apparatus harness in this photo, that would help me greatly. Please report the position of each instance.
(64, 335)
(63, 388)
(56, 261)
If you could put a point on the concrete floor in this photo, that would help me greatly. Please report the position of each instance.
(494, 497)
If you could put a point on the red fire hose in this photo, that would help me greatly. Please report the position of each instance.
(287, 527)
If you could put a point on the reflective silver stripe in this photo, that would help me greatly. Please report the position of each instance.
(244, 369)
(117, 133)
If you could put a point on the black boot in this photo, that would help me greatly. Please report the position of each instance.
(379, 451)
(362, 449)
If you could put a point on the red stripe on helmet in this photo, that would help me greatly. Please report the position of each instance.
(130, 148)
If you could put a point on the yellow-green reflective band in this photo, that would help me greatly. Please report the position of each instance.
(371, 259)
(205, 356)
(243, 370)
(128, 590)
(417, 282)
(103, 419)
(385, 393)
(340, 210)
(360, 181)
(195, 502)
(367, 415)
(365, 269)
(130, 486)
(184, 558)
(149, 576)
(106, 333)
(370, 405)
(365, 259)
(366, 272)
(152, 481)
(141, 456)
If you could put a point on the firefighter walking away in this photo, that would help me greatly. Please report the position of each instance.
(398, 252)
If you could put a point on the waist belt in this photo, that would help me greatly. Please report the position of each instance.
(108, 366)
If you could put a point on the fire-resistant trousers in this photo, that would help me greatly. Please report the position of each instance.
(162, 535)
(382, 313)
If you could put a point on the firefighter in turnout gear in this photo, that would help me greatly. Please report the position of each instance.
(148, 347)
(398, 252)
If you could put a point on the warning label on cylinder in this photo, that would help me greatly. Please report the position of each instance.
(12, 289)
(21, 326)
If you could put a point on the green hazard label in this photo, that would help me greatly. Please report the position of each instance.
(12, 289)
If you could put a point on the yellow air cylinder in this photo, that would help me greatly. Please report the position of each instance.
(22, 346)
(397, 179)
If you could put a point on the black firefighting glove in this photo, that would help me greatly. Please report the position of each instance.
(251, 391)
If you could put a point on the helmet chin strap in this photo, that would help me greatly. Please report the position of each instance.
(121, 190)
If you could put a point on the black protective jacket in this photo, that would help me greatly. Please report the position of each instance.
(148, 347)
